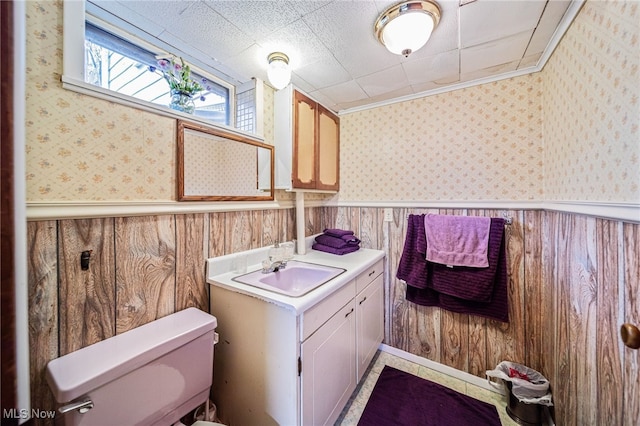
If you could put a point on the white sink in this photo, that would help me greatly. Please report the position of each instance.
(296, 280)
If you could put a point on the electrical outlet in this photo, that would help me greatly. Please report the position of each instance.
(388, 215)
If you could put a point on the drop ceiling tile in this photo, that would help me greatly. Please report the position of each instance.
(432, 68)
(489, 72)
(141, 14)
(324, 73)
(306, 7)
(298, 41)
(346, 29)
(530, 61)
(256, 18)
(551, 17)
(436, 85)
(344, 92)
(384, 81)
(493, 53)
(487, 20)
(209, 32)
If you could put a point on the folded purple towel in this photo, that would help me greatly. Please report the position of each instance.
(337, 232)
(333, 250)
(351, 239)
(336, 242)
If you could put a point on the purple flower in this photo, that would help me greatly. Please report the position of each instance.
(202, 98)
(152, 68)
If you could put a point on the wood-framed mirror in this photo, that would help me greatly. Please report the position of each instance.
(216, 165)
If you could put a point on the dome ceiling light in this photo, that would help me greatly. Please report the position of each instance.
(278, 70)
(406, 27)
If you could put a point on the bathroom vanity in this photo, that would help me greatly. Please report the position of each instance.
(285, 360)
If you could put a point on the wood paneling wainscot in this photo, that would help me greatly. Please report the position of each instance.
(573, 280)
(141, 268)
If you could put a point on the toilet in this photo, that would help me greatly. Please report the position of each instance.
(151, 375)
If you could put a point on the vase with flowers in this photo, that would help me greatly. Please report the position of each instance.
(182, 86)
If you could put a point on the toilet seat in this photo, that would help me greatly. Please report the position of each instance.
(203, 423)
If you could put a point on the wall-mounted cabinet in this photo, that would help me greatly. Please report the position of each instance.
(307, 140)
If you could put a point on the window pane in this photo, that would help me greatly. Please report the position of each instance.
(118, 65)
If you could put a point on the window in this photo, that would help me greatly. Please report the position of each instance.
(119, 65)
(107, 57)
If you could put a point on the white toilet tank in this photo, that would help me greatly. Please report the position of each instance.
(151, 375)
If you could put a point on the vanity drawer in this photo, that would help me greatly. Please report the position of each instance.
(363, 280)
(317, 315)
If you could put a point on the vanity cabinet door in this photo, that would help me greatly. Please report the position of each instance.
(304, 141)
(307, 141)
(329, 368)
(369, 323)
(328, 146)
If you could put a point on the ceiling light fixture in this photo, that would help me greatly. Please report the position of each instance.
(406, 27)
(278, 70)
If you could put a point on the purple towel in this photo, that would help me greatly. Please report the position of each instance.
(351, 239)
(337, 232)
(470, 283)
(457, 240)
(333, 250)
(419, 275)
(498, 308)
(412, 267)
(336, 242)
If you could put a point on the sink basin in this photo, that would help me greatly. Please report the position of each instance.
(296, 280)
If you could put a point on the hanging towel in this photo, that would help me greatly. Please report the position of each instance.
(412, 267)
(497, 308)
(337, 232)
(474, 284)
(333, 250)
(336, 242)
(457, 240)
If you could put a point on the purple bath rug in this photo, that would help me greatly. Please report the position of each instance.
(400, 398)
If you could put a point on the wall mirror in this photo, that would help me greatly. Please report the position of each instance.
(215, 165)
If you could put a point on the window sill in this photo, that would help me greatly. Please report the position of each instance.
(70, 83)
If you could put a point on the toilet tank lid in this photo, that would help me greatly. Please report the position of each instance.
(79, 372)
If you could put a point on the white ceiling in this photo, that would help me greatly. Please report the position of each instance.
(333, 51)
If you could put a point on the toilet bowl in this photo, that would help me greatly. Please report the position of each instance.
(151, 375)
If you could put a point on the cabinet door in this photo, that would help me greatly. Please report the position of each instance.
(329, 368)
(370, 323)
(304, 141)
(328, 150)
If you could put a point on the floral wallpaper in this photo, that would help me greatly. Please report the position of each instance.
(569, 132)
(82, 148)
(479, 143)
(592, 107)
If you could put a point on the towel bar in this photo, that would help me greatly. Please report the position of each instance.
(508, 220)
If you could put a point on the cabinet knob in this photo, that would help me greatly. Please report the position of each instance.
(630, 335)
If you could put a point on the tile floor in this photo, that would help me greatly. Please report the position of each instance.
(351, 413)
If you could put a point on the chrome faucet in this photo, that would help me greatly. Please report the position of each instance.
(275, 261)
(268, 266)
